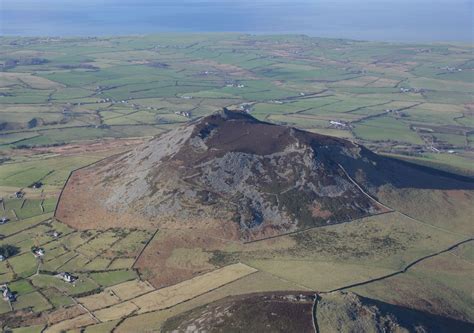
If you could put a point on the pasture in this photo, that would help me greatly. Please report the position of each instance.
(71, 102)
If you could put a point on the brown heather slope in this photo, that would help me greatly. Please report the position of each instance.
(278, 312)
(293, 312)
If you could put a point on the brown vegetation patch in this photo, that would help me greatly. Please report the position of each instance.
(22, 318)
(64, 313)
(25, 318)
(318, 211)
(278, 312)
(174, 255)
(80, 206)
(89, 147)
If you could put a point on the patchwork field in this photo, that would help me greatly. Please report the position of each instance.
(136, 297)
(68, 103)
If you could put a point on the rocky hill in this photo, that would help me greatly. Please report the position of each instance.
(228, 179)
(241, 178)
(232, 173)
(257, 178)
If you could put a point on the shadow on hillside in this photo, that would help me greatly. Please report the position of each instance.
(403, 174)
(411, 319)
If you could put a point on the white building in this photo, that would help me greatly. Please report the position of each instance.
(337, 123)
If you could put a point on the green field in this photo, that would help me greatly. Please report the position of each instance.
(92, 98)
(122, 87)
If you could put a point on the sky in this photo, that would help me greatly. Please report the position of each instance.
(390, 20)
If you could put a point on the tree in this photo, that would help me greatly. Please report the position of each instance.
(9, 250)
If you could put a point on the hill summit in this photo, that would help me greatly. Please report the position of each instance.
(265, 179)
(232, 174)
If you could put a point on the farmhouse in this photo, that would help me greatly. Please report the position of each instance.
(337, 124)
(451, 69)
(4, 220)
(235, 85)
(37, 185)
(37, 251)
(397, 113)
(67, 277)
(7, 295)
(183, 113)
(246, 107)
(413, 90)
(19, 194)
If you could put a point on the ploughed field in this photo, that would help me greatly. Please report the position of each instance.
(172, 216)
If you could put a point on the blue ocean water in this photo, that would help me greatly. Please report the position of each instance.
(387, 20)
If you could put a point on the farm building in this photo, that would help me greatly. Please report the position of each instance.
(337, 124)
(7, 295)
(37, 251)
(67, 277)
(37, 185)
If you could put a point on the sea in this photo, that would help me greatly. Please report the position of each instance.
(377, 20)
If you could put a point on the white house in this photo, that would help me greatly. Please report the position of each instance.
(37, 251)
(67, 277)
(337, 123)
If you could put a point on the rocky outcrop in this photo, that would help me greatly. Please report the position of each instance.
(266, 179)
